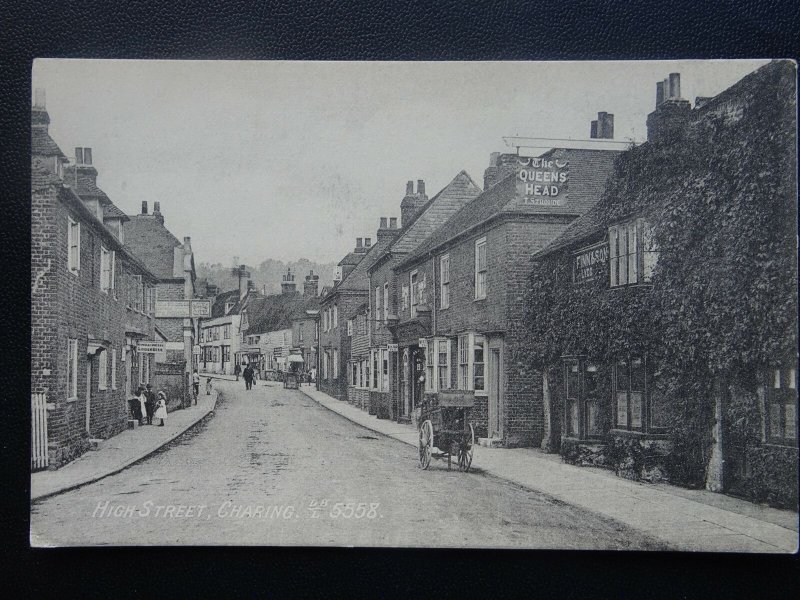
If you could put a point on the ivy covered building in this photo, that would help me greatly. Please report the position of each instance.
(665, 318)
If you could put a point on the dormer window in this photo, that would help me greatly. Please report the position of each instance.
(229, 306)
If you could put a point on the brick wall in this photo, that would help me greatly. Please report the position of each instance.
(347, 304)
(72, 306)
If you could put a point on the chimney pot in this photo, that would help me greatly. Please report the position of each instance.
(409, 188)
(393, 223)
(667, 95)
(674, 85)
(39, 98)
(79, 156)
(494, 157)
(605, 126)
(593, 130)
(87, 156)
(420, 187)
(383, 223)
(358, 243)
(186, 238)
(659, 93)
(367, 242)
(157, 209)
(144, 207)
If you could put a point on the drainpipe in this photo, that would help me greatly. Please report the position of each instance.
(433, 305)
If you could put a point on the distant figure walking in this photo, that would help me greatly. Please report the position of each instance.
(248, 377)
(237, 370)
(161, 408)
(196, 385)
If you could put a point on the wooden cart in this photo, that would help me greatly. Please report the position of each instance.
(446, 426)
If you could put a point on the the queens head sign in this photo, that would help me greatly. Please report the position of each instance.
(542, 181)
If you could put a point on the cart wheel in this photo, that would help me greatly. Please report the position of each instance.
(425, 444)
(465, 451)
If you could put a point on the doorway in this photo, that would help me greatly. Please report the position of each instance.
(495, 388)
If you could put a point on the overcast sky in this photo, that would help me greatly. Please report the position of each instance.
(292, 160)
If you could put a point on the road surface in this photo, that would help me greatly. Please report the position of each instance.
(273, 467)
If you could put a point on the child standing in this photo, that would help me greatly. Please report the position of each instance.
(161, 408)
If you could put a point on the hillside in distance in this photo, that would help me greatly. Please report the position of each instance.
(269, 273)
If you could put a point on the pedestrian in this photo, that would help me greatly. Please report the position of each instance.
(237, 370)
(142, 404)
(248, 374)
(196, 385)
(161, 408)
(150, 403)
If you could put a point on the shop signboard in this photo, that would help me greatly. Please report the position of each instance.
(167, 309)
(589, 263)
(151, 347)
(392, 347)
(542, 181)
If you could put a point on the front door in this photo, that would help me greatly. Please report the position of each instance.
(88, 394)
(495, 389)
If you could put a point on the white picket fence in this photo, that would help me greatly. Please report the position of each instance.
(39, 459)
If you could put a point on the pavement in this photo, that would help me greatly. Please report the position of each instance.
(120, 451)
(694, 520)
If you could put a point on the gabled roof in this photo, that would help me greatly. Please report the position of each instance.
(112, 211)
(450, 199)
(588, 173)
(352, 258)
(151, 241)
(358, 278)
(42, 144)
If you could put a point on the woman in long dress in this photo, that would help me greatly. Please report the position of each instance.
(142, 402)
(161, 408)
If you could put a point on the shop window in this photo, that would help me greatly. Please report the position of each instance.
(444, 269)
(430, 382)
(781, 400)
(478, 365)
(585, 412)
(636, 396)
(385, 370)
(632, 253)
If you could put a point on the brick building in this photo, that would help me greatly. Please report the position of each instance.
(460, 323)
(358, 390)
(305, 324)
(420, 217)
(92, 303)
(172, 261)
(339, 305)
(728, 155)
(219, 336)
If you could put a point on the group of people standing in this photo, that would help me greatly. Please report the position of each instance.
(248, 374)
(150, 405)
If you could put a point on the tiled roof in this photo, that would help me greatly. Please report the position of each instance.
(112, 211)
(42, 144)
(311, 303)
(588, 172)
(218, 308)
(272, 313)
(454, 196)
(88, 188)
(352, 258)
(580, 228)
(153, 243)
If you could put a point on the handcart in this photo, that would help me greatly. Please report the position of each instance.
(445, 425)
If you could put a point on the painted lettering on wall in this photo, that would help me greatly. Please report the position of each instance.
(542, 181)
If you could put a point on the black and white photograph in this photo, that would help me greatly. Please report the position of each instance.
(413, 304)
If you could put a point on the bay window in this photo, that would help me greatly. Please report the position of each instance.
(781, 405)
(472, 363)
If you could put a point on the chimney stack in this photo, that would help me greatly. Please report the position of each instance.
(384, 231)
(310, 285)
(412, 202)
(144, 207)
(157, 213)
(667, 123)
(288, 285)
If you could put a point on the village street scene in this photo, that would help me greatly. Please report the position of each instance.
(463, 305)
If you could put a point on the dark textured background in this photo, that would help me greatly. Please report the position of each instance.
(399, 30)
